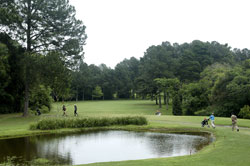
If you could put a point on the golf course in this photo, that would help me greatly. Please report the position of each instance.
(124, 83)
(229, 148)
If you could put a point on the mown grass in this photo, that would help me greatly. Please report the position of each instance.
(229, 149)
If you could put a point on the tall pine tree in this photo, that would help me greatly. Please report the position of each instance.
(41, 26)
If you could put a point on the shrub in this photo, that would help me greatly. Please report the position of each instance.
(40, 98)
(10, 161)
(245, 112)
(57, 123)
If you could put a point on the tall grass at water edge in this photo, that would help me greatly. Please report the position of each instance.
(57, 123)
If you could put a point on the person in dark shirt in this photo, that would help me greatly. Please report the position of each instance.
(75, 110)
(64, 110)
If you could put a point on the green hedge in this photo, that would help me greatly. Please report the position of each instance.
(57, 123)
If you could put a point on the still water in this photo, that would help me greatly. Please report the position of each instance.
(101, 146)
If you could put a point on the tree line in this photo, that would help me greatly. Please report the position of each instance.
(198, 78)
(41, 59)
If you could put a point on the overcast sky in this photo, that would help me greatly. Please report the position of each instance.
(119, 29)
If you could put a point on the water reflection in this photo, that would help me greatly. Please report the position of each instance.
(101, 146)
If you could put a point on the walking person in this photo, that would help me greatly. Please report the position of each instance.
(234, 122)
(212, 120)
(64, 110)
(75, 110)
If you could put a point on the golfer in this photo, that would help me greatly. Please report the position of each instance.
(234, 122)
(212, 120)
(75, 110)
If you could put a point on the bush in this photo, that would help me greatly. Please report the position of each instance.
(57, 123)
(40, 99)
(45, 109)
(245, 112)
(11, 161)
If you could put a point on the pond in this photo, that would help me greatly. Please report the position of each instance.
(101, 146)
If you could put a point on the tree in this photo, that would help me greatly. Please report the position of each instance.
(168, 86)
(5, 97)
(195, 97)
(56, 75)
(189, 69)
(126, 73)
(245, 112)
(157, 62)
(41, 26)
(107, 81)
(12, 85)
(231, 92)
(177, 104)
(81, 77)
(97, 92)
(41, 99)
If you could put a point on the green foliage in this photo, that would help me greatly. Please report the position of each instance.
(10, 161)
(41, 162)
(171, 84)
(11, 84)
(42, 26)
(5, 97)
(232, 91)
(198, 97)
(190, 68)
(168, 86)
(185, 62)
(97, 92)
(195, 97)
(245, 112)
(107, 82)
(57, 123)
(53, 23)
(41, 99)
(126, 73)
(177, 104)
(56, 75)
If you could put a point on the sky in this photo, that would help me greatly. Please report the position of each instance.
(119, 29)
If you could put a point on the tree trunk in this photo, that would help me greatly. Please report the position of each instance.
(133, 94)
(83, 95)
(103, 94)
(26, 97)
(29, 27)
(156, 100)
(160, 100)
(167, 101)
(151, 97)
(26, 100)
(77, 94)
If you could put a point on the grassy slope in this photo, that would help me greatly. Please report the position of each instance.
(229, 149)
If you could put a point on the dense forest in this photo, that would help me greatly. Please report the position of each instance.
(41, 60)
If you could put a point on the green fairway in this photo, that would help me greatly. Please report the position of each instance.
(116, 107)
(229, 149)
